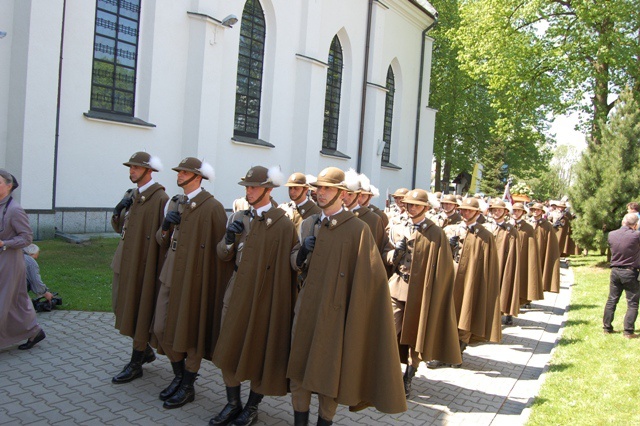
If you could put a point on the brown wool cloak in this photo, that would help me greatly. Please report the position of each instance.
(383, 216)
(563, 233)
(255, 337)
(549, 255)
(528, 275)
(375, 226)
(139, 261)
(477, 287)
(429, 323)
(197, 277)
(506, 245)
(345, 343)
(297, 215)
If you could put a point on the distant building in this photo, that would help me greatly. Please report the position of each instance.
(86, 83)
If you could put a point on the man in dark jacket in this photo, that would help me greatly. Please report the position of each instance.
(625, 262)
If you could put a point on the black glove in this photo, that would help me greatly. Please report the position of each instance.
(453, 241)
(125, 203)
(172, 218)
(235, 228)
(307, 246)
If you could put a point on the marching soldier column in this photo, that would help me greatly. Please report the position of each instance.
(325, 298)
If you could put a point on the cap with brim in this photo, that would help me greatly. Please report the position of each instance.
(519, 206)
(297, 179)
(257, 176)
(331, 176)
(470, 204)
(417, 196)
(497, 204)
(400, 192)
(537, 206)
(449, 198)
(190, 164)
(141, 159)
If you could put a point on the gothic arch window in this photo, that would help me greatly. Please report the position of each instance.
(115, 54)
(250, 67)
(332, 97)
(388, 115)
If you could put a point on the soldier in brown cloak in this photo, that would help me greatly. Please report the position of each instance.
(548, 252)
(255, 336)
(421, 288)
(506, 243)
(193, 278)
(343, 344)
(396, 211)
(138, 260)
(367, 192)
(562, 223)
(528, 275)
(477, 281)
(300, 207)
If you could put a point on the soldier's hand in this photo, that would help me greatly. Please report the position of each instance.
(125, 203)
(235, 228)
(453, 241)
(308, 244)
(172, 218)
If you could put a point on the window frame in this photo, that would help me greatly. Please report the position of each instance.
(333, 88)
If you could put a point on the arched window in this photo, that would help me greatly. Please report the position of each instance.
(115, 54)
(332, 97)
(388, 115)
(250, 64)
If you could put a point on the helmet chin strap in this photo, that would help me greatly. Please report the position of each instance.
(333, 200)
(353, 203)
(424, 209)
(303, 194)
(264, 192)
(141, 176)
(188, 180)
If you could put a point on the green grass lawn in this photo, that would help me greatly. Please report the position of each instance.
(80, 273)
(594, 379)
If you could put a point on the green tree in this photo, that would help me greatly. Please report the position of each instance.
(607, 176)
(552, 52)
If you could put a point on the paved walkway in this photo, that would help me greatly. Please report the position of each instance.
(66, 379)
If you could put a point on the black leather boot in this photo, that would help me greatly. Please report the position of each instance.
(300, 418)
(185, 393)
(178, 371)
(231, 410)
(323, 422)
(249, 413)
(132, 370)
(149, 355)
(408, 376)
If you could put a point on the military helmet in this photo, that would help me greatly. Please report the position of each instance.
(519, 206)
(417, 196)
(470, 203)
(331, 176)
(560, 204)
(193, 165)
(262, 177)
(400, 192)
(449, 198)
(537, 206)
(144, 159)
(297, 179)
(497, 203)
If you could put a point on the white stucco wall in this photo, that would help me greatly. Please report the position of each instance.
(186, 87)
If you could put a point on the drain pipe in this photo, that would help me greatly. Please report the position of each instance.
(57, 135)
(364, 86)
(420, 82)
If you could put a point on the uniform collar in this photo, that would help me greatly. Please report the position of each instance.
(146, 186)
(192, 195)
